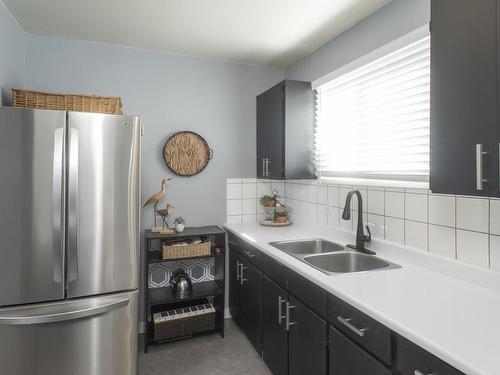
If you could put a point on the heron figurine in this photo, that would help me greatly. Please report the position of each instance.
(157, 197)
(164, 213)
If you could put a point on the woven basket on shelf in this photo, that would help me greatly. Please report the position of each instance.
(66, 102)
(191, 250)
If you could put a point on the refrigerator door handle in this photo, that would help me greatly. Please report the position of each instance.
(73, 204)
(57, 204)
(59, 314)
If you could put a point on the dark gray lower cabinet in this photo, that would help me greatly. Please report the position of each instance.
(234, 288)
(307, 341)
(274, 335)
(245, 300)
(346, 358)
(251, 304)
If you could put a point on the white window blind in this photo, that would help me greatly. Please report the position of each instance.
(373, 122)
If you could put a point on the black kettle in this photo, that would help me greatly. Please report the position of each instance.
(181, 283)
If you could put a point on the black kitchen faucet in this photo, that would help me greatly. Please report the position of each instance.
(361, 238)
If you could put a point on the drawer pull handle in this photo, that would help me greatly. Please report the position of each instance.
(347, 322)
(287, 317)
(280, 312)
(418, 372)
(249, 254)
(242, 278)
(238, 270)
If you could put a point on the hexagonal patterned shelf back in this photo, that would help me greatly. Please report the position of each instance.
(197, 269)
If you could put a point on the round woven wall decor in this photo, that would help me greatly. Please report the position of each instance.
(186, 153)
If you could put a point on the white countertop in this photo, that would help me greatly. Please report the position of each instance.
(448, 308)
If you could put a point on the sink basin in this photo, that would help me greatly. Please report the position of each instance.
(348, 262)
(307, 247)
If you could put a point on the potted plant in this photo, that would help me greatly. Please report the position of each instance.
(179, 224)
(267, 201)
(281, 217)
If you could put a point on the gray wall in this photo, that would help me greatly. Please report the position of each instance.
(171, 93)
(12, 55)
(394, 20)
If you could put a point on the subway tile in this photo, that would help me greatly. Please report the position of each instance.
(395, 230)
(263, 188)
(295, 191)
(249, 190)
(376, 202)
(312, 212)
(416, 235)
(416, 207)
(312, 193)
(302, 209)
(495, 253)
(249, 206)
(495, 216)
(472, 248)
(322, 195)
(233, 206)
(233, 180)
(376, 225)
(249, 219)
(442, 241)
(345, 224)
(233, 219)
(442, 210)
(472, 214)
(233, 191)
(394, 204)
(322, 215)
(333, 216)
(303, 192)
(333, 196)
(288, 190)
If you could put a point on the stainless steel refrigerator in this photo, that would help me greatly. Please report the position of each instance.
(69, 242)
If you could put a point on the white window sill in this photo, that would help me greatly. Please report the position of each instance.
(372, 182)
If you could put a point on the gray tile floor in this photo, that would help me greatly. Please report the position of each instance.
(204, 355)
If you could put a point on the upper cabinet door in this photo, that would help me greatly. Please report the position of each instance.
(270, 118)
(103, 203)
(463, 97)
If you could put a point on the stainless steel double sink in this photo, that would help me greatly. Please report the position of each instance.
(332, 258)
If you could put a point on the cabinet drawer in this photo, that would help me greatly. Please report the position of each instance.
(245, 250)
(311, 294)
(346, 358)
(275, 271)
(412, 359)
(360, 328)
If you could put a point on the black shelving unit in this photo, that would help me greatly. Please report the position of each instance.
(160, 299)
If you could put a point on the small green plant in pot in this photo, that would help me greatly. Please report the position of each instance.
(267, 201)
(179, 223)
(281, 217)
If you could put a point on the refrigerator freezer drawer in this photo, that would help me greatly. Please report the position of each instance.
(91, 336)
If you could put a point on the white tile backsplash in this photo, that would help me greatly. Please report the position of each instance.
(472, 247)
(416, 207)
(442, 241)
(395, 230)
(394, 204)
(416, 235)
(473, 214)
(445, 225)
(442, 210)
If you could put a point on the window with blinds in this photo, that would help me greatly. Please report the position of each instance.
(373, 122)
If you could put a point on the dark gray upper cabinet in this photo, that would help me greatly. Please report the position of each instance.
(285, 131)
(464, 97)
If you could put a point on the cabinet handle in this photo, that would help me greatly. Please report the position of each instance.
(263, 167)
(238, 269)
(418, 372)
(287, 317)
(249, 254)
(480, 180)
(267, 167)
(347, 322)
(242, 279)
(280, 312)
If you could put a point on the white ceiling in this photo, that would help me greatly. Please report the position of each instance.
(264, 32)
